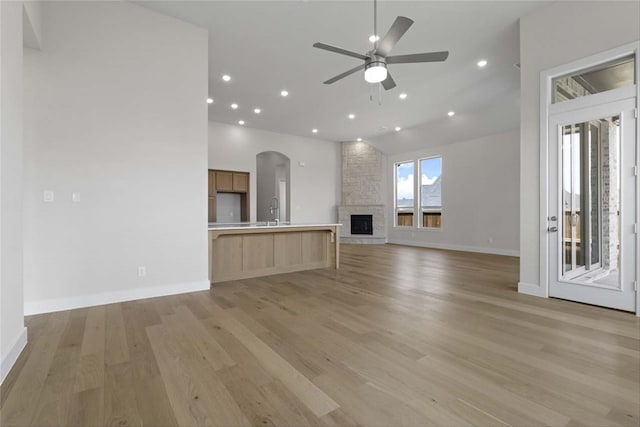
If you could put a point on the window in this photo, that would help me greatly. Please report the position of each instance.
(611, 75)
(431, 192)
(405, 193)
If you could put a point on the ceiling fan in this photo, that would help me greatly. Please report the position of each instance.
(377, 59)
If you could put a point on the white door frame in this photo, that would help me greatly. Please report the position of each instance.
(547, 108)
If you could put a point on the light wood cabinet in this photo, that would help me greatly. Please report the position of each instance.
(224, 181)
(212, 184)
(241, 253)
(240, 182)
(212, 209)
(221, 181)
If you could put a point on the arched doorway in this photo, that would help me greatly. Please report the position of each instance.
(273, 177)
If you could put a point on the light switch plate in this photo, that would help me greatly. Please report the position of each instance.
(75, 197)
(48, 196)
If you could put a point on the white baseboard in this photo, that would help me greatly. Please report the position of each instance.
(531, 289)
(13, 354)
(60, 304)
(493, 251)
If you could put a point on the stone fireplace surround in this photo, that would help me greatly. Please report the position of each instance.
(362, 192)
(379, 229)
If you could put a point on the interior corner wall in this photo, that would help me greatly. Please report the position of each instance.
(315, 167)
(115, 112)
(12, 331)
(479, 196)
(32, 24)
(547, 41)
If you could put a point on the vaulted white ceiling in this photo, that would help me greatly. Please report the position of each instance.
(266, 46)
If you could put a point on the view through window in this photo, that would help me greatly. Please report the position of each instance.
(405, 193)
(431, 192)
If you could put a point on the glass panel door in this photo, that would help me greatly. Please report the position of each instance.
(592, 205)
(591, 200)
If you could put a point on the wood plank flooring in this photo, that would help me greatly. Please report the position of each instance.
(397, 336)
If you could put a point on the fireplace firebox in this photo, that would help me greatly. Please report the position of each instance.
(362, 224)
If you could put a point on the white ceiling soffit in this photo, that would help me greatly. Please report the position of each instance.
(266, 46)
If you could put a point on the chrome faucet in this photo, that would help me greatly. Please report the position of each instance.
(273, 209)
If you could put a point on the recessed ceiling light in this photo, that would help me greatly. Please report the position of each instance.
(398, 128)
(314, 130)
(209, 101)
(403, 96)
(226, 77)
(284, 93)
(257, 110)
(482, 63)
(241, 122)
(373, 38)
(451, 113)
(234, 106)
(351, 116)
(359, 139)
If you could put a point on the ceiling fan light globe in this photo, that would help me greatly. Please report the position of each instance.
(375, 73)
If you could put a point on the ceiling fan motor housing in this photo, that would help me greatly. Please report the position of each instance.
(375, 61)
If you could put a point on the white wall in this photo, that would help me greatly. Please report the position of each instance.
(12, 331)
(315, 188)
(479, 196)
(549, 38)
(114, 110)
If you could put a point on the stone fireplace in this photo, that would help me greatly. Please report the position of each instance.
(362, 198)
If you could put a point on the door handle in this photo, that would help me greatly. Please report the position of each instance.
(552, 229)
(553, 218)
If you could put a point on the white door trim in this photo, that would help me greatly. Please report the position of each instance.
(546, 107)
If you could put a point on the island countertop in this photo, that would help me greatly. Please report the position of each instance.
(245, 250)
(262, 225)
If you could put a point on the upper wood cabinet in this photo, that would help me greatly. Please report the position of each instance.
(240, 182)
(228, 182)
(224, 181)
(212, 184)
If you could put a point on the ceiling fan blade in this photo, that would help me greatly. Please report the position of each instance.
(339, 50)
(418, 57)
(397, 30)
(345, 74)
(388, 83)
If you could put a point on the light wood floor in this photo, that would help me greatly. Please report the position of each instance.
(398, 336)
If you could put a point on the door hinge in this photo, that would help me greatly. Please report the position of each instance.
(635, 170)
(635, 113)
(635, 285)
(635, 228)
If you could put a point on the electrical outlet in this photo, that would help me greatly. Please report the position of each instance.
(142, 271)
(490, 240)
(48, 196)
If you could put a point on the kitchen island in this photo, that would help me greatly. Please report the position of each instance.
(245, 250)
